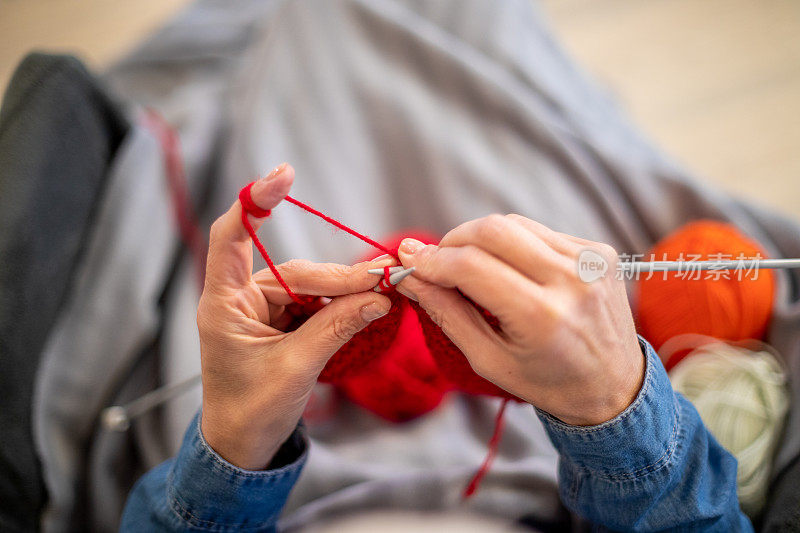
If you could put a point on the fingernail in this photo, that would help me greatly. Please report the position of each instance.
(373, 311)
(266, 190)
(275, 171)
(382, 261)
(411, 246)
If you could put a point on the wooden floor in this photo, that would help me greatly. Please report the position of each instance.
(715, 82)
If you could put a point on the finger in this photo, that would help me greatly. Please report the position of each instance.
(561, 242)
(335, 324)
(320, 279)
(488, 281)
(230, 252)
(514, 245)
(564, 243)
(459, 319)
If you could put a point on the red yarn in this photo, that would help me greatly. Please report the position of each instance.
(494, 443)
(404, 381)
(728, 309)
(341, 226)
(387, 367)
(367, 347)
(248, 205)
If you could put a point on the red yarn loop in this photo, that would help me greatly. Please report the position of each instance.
(249, 205)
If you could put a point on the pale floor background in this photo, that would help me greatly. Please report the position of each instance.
(715, 82)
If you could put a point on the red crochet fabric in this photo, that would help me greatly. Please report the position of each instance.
(387, 367)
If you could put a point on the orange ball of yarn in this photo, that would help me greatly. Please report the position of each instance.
(720, 306)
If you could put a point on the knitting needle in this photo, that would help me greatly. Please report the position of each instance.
(394, 279)
(119, 417)
(672, 266)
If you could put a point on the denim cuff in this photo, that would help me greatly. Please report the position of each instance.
(636, 442)
(208, 492)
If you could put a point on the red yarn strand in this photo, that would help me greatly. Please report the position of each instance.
(265, 255)
(341, 226)
(494, 443)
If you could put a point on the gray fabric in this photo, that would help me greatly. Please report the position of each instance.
(397, 115)
(110, 318)
(58, 134)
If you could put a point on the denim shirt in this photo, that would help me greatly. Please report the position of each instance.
(654, 466)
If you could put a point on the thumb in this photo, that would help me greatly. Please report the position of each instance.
(328, 329)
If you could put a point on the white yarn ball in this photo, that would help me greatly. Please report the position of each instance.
(742, 397)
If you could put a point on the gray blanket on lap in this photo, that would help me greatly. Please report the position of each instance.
(396, 115)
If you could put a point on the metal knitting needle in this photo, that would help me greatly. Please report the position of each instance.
(394, 279)
(672, 266)
(119, 417)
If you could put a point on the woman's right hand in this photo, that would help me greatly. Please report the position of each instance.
(257, 378)
(564, 345)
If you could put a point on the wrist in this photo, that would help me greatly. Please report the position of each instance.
(637, 440)
(239, 441)
(611, 393)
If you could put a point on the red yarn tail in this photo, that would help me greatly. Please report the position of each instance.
(494, 442)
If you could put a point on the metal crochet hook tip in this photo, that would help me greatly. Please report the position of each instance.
(392, 270)
(394, 279)
(397, 277)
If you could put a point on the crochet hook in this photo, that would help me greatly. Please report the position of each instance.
(394, 277)
(694, 266)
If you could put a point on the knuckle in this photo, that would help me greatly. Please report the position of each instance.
(490, 227)
(345, 273)
(467, 258)
(344, 327)
(204, 317)
(296, 265)
(607, 251)
(216, 230)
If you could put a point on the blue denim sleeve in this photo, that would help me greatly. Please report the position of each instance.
(653, 467)
(199, 491)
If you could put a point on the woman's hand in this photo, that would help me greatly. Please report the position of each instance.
(566, 346)
(257, 378)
